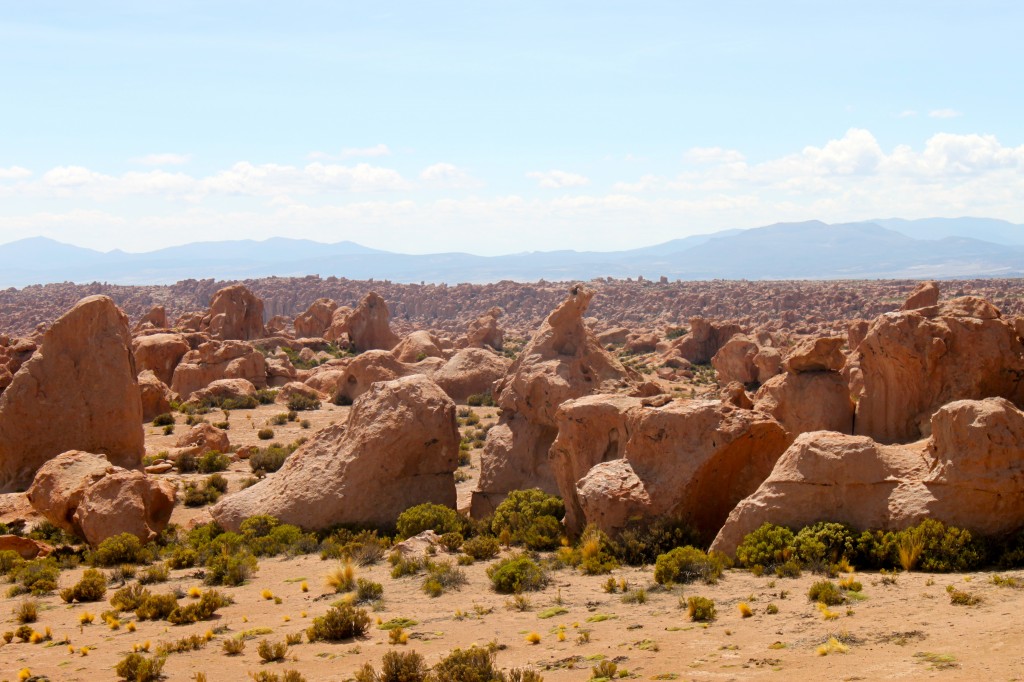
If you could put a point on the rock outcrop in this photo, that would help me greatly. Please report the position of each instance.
(562, 361)
(969, 473)
(366, 328)
(77, 391)
(734, 361)
(484, 331)
(215, 360)
(84, 494)
(924, 295)
(316, 319)
(156, 397)
(203, 438)
(398, 448)
(235, 314)
(471, 371)
(913, 362)
(160, 354)
(619, 460)
(704, 339)
(417, 346)
(156, 318)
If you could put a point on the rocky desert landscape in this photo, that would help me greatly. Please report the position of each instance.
(306, 479)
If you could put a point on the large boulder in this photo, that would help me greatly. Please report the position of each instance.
(913, 362)
(366, 327)
(156, 396)
(620, 460)
(702, 342)
(203, 438)
(399, 448)
(734, 361)
(471, 371)
(224, 389)
(924, 295)
(358, 374)
(819, 354)
(215, 360)
(563, 360)
(417, 346)
(807, 401)
(84, 494)
(160, 354)
(969, 473)
(156, 318)
(484, 331)
(78, 391)
(235, 313)
(317, 318)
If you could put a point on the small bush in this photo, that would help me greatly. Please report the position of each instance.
(516, 574)
(522, 514)
(367, 590)
(27, 611)
(213, 461)
(156, 606)
(946, 548)
(265, 434)
(165, 419)
(187, 462)
(300, 403)
(129, 597)
(92, 587)
(430, 516)
(482, 547)
(233, 646)
(961, 597)
(38, 576)
(825, 543)
(685, 565)
(230, 568)
(826, 592)
(272, 651)
(452, 541)
(700, 609)
(183, 557)
(343, 621)
(269, 459)
(641, 544)
(138, 668)
(475, 663)
(120, 549)
(442, 576)
(342, 578)
(396, 666)
(766, 546)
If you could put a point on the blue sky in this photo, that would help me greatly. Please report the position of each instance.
(492, 127)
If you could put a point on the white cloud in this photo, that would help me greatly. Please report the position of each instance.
(556, 179)
(448, 175)
(15, 173)
(944, 113)
(165, 159)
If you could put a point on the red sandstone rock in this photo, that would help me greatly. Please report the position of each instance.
(235, 313)
(216, 360)
(159, 353)
(156, 397)
(366, 327)
(316, 318)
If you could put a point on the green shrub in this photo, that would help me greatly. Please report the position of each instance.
(266, 396)
(138, 668)
(442, 576)
(596, 554)
(187, 462)
(825, 543)
(522, 515)
(430, 516)
(38, 576)
(482, 547)
(270, 652)
(396, 666)
(92, 587)
(166, 419)
(213, 461)
(230, 568)
(154, 606)
(516, 574)
(204, 609)
(265, 434)
(121, 549)
(826, 592)
(946, 548)
(129, 597)
(343, 621)
(183, 557)
(642, 543)
(452, 541)
(700, 609)
(367, 590)
(300, 403)
(766, 546)
(475, 664)
(269, 459)
(685, 565)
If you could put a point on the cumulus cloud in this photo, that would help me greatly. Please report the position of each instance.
(448, 175)
(164, 159)
(944, 113)
(15, 173)
(556, 179)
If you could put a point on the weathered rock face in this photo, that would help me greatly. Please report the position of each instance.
(317, 318)
(218, 360)
(807, 401)
(823, 354)
(366, 327)
(399, 448)
(156, 318)
(156, 397)
(913, 362)
(278, 324)
(77, 391)
(280, 370)
(734, 361)
(642, 342)
(84, 494)
(616, 459)
(484, 331)
(703, 341)
(295, 388)
(562, 361)
(159, 353)
(354, 377)
(924, 295)
(235, 313)
(471, 371)
(768, 362)
(417, 346)
(223, 389)
(204, 438)
(969, 474)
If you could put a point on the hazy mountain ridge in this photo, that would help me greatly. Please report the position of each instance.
(887, 248)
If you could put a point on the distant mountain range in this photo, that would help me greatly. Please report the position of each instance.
(885, 248)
